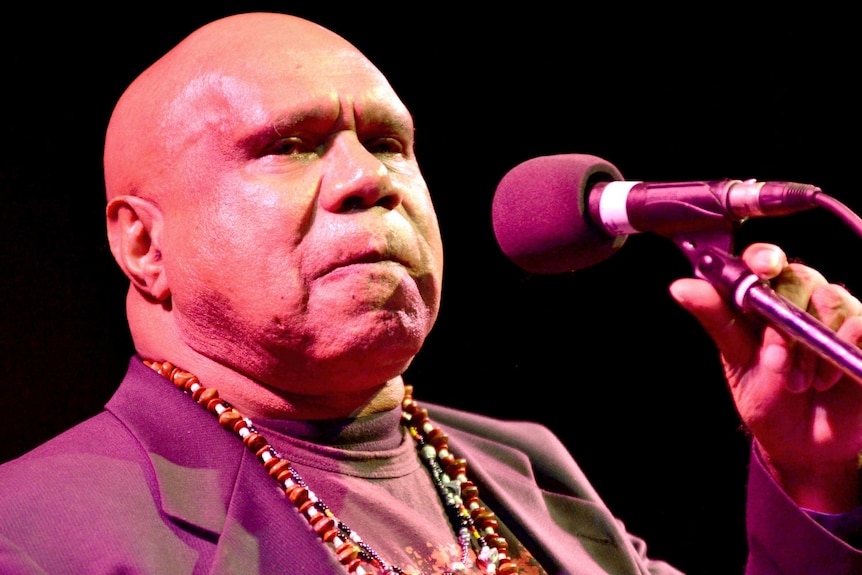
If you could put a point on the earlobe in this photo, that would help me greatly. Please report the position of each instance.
(134, 232)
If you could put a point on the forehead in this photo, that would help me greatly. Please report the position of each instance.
(257, 87)
(284, 86)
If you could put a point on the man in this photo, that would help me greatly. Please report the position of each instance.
(285, 268)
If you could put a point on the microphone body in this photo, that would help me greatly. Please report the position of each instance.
(669, 208)
(561, 213)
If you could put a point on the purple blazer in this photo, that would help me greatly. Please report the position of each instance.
(153, 485)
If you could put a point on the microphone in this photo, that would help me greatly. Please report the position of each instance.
(561, 213)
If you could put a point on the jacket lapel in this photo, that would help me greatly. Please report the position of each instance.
(208, 483)
(528, 478)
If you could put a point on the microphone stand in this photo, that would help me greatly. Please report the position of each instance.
(709, 254)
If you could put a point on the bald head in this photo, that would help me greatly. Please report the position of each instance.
(191, 89)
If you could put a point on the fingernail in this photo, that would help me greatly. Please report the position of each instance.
(767, 259)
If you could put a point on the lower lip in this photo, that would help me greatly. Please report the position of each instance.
(380, 267)
(375, 286)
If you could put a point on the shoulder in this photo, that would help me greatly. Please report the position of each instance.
(102, 435)
(85, 463)
(93, 474)
(529, 436)
(82, 502)
(521, 448)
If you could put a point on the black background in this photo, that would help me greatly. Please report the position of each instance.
(602, 356)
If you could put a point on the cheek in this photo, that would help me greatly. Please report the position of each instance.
(242, 229)
(231, 268)
(429, 232)
(245, 309)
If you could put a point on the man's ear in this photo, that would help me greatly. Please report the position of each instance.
(134, 233)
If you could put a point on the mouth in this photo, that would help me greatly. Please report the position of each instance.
(369, 258)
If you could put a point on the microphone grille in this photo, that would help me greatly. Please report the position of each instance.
(540, 213)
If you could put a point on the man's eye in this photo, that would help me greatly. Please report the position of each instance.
(291, 147)
(384, 146)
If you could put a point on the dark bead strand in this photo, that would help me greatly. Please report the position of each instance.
(467, 501)
(472, 521)
(450, 495)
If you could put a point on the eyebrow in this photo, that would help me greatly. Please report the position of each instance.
(296, 121)
(303, 119)
(324, 118)
(310, 117)
(383, 118)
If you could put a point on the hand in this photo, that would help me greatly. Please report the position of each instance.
(804, 412)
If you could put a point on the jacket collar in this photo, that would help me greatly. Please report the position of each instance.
(192, 456)
(207, 482)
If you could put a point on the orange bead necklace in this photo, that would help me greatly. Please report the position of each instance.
(474, 525)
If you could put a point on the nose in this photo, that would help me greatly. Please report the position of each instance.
(356, 179)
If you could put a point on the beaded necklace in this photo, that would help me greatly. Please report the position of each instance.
(475, 525)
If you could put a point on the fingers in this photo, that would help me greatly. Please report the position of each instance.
(831, 304)
(745, 344)
(735, 340)
(845, 317)
(802, 285)
(797, 283)
(738, 337)
(765, 260)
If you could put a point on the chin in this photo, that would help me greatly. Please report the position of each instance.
(374, 362)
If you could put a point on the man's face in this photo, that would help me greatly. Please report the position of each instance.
(300, 242)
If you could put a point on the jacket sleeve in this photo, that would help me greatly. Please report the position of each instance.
(783, 539)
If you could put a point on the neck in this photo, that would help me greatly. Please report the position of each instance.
(260, 391)
(260, 400)
(266, 389)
